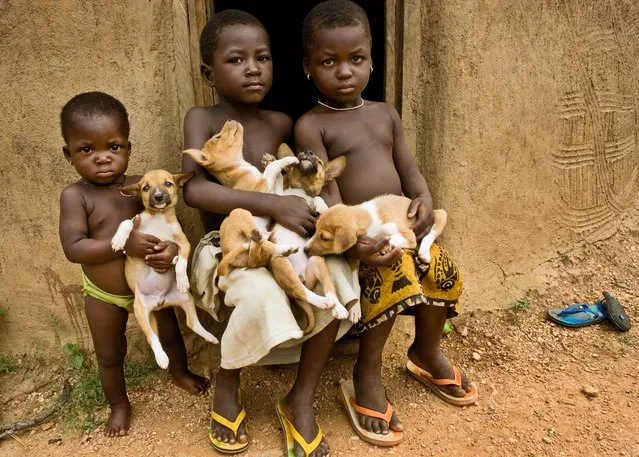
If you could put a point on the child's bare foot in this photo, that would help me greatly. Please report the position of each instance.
(438, 365)
(302, 416)
(190, 382)
(226, 404)
(118, 422)
(370, 393)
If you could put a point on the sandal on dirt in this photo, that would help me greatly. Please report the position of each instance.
(292, 436)
(578, 315)
(221, 446)
(434, 384)
(393, 438)
(615, 312)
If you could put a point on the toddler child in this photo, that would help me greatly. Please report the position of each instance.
(95, 128)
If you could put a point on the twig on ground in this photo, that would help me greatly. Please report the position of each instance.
(10, 429)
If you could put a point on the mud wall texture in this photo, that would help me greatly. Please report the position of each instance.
(522, 115)
(49, 52)
(524, 118)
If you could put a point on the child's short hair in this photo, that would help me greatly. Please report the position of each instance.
(215, 25)
(332, 14)
(90, 104)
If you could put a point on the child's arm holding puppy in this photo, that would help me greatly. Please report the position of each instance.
(290, 211)
(413, 183)
(374, 251)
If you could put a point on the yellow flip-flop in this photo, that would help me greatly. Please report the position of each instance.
(292, 436)
(221, 446)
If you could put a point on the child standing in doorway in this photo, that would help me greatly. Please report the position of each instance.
(337, 48)
(95, 128)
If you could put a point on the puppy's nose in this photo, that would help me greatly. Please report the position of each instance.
(306, 250)
(158, 197)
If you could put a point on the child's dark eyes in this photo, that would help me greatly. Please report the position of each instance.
(327, 62)
(116, 147)
(263, 58)
(235, 60)
(85, 149)
(358, 59)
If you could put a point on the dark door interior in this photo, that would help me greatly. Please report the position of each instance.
(291, 92)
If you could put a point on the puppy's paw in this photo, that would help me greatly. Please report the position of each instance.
(209, 338)
(426, 258)
(162, 359)
(339, 312)
(355, 314)
(320, 302)
(287, 161)
(319, 204)
(122, 235)
(256, 235)
(268, 158)
(286, 249)
(182, 283)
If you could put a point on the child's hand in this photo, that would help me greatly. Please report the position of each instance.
(162, 260)
(294, 213)
(375, 251)
(140, 244)
(422, 209)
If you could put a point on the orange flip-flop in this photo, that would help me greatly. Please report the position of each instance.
(434, 384)
(393, 438)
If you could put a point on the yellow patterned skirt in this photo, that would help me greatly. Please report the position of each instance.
(388, 291)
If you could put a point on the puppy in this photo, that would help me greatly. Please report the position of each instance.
(159, 192)
(305, 179)
(222, 156)
(338, 227)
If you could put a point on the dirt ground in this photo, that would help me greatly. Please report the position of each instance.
(531, 375)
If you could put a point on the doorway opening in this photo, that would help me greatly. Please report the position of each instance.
(291, 92)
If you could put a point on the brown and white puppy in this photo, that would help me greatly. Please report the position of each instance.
(338, 228)
(305, 179)
(159, 192)
(222, 156)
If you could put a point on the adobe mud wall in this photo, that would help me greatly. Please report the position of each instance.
(522, 115)
(524, 118)
(49, 52)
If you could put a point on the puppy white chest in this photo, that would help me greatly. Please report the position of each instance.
(156, 225)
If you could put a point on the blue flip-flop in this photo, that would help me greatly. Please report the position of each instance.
(615, 312)
(578, 315)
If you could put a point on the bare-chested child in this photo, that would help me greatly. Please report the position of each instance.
(337, 47)
(95, 128)
(236, 61)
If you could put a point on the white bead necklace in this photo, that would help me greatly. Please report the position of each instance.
(361, 103)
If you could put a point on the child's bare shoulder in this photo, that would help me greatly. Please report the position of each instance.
(73, 194)
(279, 121)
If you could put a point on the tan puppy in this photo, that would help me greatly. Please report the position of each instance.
(305, 179)
(338, 228)
(222, 156)
(159, 192)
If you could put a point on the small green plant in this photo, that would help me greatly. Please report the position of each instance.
(75, 355)
(628, 340)
(3, 311)
(6, 366)
(539, 413)
(448, 328)
(521, 304)
(516, 308)
(139, 373)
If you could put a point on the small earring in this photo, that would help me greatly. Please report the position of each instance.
(308, 76)
(371, 68)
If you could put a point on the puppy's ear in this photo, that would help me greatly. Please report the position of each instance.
(131, 190)
(344, 239)
(284, 151)
(200, 157)
(334, 168)
(181, 178)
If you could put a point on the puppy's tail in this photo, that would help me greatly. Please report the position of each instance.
(310, 317)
